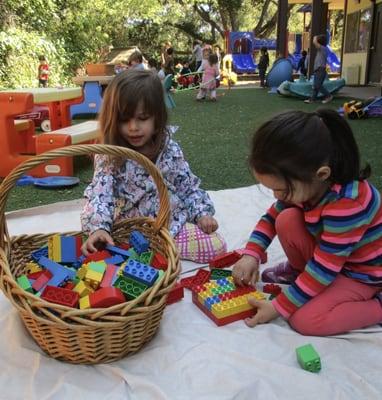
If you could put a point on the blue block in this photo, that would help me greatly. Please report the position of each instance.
(117, 259)
(37, 254)
(68, 249)
(79, 262)
(140, 272)
(139, 242)
(117, 250)
(56, 268)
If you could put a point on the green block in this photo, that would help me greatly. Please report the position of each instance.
(217, 273)
(134, 255)
(146, 257)
(160, 274)
(308, 358)
(24, 283)
(131, 288)
(98, 266)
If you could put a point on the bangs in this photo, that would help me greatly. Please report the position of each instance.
(136, 96)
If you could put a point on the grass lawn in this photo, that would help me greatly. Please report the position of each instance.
(215, 138)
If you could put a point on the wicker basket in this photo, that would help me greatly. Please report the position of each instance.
(94, 335)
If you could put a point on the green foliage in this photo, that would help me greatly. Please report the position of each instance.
(19, 51)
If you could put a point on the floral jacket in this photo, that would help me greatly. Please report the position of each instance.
(128, 191)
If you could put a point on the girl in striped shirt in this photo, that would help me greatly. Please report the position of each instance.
(328, 218)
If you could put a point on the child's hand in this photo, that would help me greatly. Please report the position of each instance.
(208, 224)
(99, 236)
(265, 312)
(246, 271)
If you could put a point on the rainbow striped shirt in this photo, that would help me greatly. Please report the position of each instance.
(347, 224)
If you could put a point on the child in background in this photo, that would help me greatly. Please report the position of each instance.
(43, 72)
(152, 65)
(210, 74)
(135, 61)
(263, 65)
(134, 115)
(319, 70)
(185, 79)
(328, 219)
(301, 67)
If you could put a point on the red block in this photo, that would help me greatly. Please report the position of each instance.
(226, 260)
(42, 280)
(187, 282)
(224, 320)
(159, 262)
(106, 297)
(176, 294)
(201, 277)
(97, 256)
(62, 296)
(69, 285)
(108, 275)
(272, 289)
(35, 275)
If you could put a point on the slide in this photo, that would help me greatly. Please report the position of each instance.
(333, 61)
(243, 63)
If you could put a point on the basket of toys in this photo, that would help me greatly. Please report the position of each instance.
(126, 315)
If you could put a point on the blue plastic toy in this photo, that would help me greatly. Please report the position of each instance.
(281, 71)
(50, 182)
(91, 104)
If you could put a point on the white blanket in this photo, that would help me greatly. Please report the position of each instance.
(191, 358)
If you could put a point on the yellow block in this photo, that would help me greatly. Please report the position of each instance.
(231, 307)
(82, 271)
(93, 278)
(84, 302)
(32, 267)
(82, 289)
(54, 248)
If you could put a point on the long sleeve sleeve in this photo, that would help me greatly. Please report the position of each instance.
(98, 212)
(264, 232)
(189, 201)
(344, 225)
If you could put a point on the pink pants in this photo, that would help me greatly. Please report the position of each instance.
(344, 305)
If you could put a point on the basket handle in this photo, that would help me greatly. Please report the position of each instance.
(163, 217)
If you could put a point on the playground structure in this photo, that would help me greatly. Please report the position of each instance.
(297, 42)
(280, 72)
(240, 46)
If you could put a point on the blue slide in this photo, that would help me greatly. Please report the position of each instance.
(333, 61)
(243, 63)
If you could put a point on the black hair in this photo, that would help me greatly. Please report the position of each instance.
(304, 53)
(264, 49)
(213, 59)
(322, 40)
(170, 51)
(42, 58)
(293, 145)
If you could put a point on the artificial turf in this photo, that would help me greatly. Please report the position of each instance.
(215, 140)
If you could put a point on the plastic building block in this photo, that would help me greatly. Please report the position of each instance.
(217, 273)
(201, 277)
(226, 260)
(32, 267)
(140, 272)
(221, 301)
(116, 259)
(83, 288)
(118, 250)
(97, 256)
(24, 283)
(37, 254)
(159, 262)
(84, 303)
(93, 278)
(176, 294)
(187, 282)
(308, 358)
(44, 278)
(97, 266)
(139, 242)
(272, 288)
(106, 297)
(134, 255)
(146, 257)
(79, 262)
(131, 288)
(109, 275)
(55, 268)
(35, 275)
(61, 296)
(69, 285)
(70, 248)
